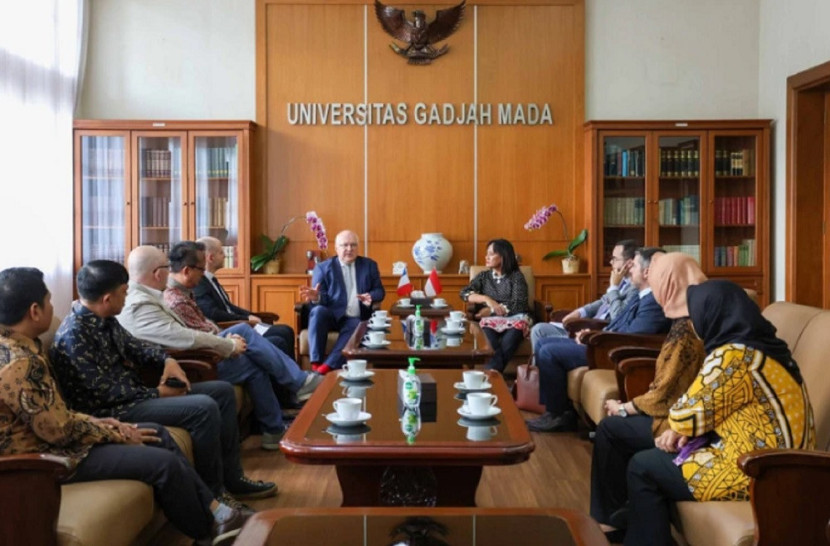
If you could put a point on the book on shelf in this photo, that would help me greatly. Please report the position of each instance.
(624, 162)
(742, 255)
(625, 211)
(735, 210)
(230, 257)
(735, 162)
(691, 250)
(679, 212)
(681, 163)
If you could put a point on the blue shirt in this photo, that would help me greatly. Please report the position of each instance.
(96, 362)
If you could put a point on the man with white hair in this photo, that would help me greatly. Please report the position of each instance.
(342, 291)
(218, 307)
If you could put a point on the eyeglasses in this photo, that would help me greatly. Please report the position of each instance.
(165, 266)
(202, 269)
(347, 245)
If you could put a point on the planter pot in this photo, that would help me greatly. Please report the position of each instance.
(432, 251)
(273, 267)
(570, 266)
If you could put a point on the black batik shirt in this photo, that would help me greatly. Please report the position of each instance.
(96, 362)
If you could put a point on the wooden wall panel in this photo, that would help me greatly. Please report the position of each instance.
(314, 53)
(530, 54)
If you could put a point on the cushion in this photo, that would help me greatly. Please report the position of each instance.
(575, 384)
(811, 355)
(716, 523)
(597, 387)
(303, 347)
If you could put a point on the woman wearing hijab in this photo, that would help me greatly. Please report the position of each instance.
(632, 427)
(748, 395)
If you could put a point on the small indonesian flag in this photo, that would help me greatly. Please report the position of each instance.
(433, 286)
(404, 284)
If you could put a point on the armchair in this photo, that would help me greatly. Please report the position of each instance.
(540, 312)
(302, 311)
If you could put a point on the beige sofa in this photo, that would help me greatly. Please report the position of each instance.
(791, 514)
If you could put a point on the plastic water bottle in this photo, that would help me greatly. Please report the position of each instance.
(411, 386)
(418, 330)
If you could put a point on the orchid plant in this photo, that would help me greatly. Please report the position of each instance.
(273, 248)
(541, 217)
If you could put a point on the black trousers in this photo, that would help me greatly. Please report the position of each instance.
(282, 337)
(617, 439)
(654, 482)
(182, 495)
(504, 346)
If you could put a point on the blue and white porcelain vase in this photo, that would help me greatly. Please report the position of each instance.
(432, 251)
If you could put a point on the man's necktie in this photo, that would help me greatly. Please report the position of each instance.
(628, 314)
(352, 307)
(222, 294)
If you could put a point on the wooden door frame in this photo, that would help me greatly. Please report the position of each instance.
(808, 182)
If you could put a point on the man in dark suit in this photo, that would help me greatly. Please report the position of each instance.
(341, 294)
(217, 306)
(557, 356)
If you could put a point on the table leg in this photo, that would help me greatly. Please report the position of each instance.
(369, 485)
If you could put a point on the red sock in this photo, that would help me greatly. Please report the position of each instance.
(315, 366)
(323, 369)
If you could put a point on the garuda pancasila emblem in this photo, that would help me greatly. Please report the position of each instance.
(419, 34)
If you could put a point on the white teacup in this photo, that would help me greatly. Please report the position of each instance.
(480, 434)
(479, 403)
(375, 338)
(453, 324)
(355, 368)
(456, 315)
(454, 341)
(404, 302)
(378, 322)
(474, 379)
(439, 302)
(348, 409)
(380, 314)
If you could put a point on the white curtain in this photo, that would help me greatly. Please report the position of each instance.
(42, 47)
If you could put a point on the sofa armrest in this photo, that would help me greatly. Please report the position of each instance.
(788, 493)
(600, 344)
(634, 376)
(267, 317)
(542, 311)
(579, 324)
(31, 492)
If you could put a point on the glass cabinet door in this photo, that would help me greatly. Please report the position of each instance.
(160, 190)
(623, 198)
(734, 198)
(679, 194)
(216, 175)
(103, 197)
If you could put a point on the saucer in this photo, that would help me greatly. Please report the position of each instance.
(436, 306)
(361, 419)
(456, 331)
(405, 306)
(464, 412)
(385, 343)
(486, 422)
(362, 377)
(355, 429)
(462, 387)
(374, 328)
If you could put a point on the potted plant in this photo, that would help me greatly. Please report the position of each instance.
(270, 259)
(570, 262)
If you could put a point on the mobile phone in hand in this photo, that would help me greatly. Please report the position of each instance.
(175, 383)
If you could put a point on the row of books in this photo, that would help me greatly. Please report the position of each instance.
(214, 162)
(160, 163)
(735, 210)
(230, 257)
(218, 212)
(156, 211)
(735, 162)
(679, 212)
(625, 211)
(691, 250)
(103, 161)
(742, 255)
(681, 163)
(619, 162)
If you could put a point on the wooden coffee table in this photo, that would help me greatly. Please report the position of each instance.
(474, 348)
(376, 464)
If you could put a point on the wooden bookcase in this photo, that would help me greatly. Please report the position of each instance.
(699, 187)
(160, 182)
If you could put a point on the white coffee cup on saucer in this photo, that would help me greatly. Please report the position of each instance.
(474, 379)
(479, 403)
(375, 338)
(380, 314)
(418, 294)
(404, 302)
(454, 341)
(480, 434)
(348, 409)
(378, 322)
(355, 368)
(453, 324)
(439, 302)
(457, 315)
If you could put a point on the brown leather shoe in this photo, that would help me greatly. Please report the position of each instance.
(225, 533)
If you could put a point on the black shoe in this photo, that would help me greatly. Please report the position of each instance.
(225, 532)
(565, 422)
(246, 488)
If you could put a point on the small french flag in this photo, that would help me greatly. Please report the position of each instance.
(433, 286)
(404, 284)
